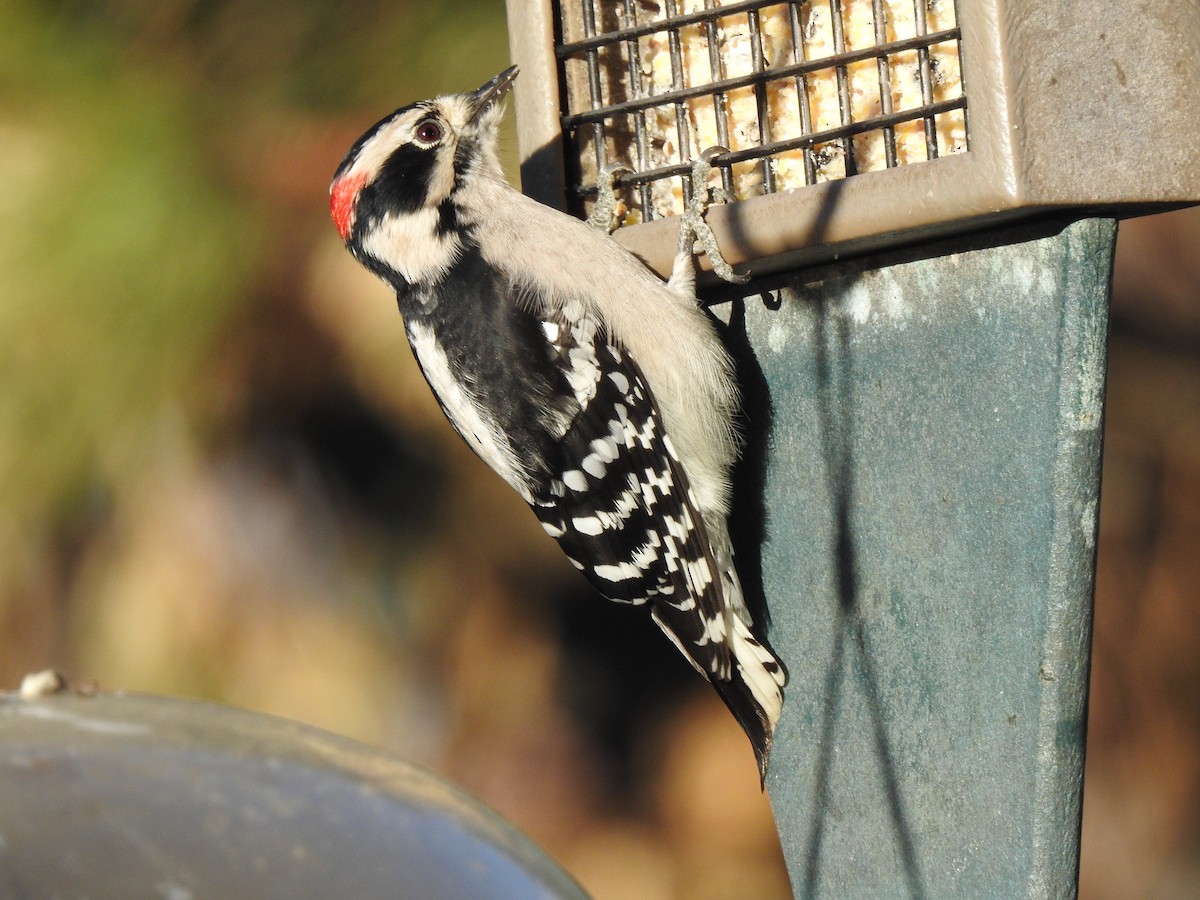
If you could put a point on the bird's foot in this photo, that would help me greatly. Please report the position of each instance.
(695, 235)
(605, 214)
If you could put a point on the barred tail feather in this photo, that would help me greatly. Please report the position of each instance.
(753, 690)
(754, 693)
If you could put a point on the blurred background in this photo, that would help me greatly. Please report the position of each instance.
(221, 475)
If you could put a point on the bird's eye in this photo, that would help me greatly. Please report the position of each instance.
(429, 132)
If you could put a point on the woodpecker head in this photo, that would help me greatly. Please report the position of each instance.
(393, 197)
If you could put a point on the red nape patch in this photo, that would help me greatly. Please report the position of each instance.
(342, 195)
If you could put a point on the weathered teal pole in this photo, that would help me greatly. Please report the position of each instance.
(931, 424)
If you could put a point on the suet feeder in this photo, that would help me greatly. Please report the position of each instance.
(925, 193)
(852, 125)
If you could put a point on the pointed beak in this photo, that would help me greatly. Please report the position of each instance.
(493, 92)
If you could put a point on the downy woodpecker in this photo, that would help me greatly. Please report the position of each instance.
(600, 394)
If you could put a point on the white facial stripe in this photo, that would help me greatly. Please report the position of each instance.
(441, 179)
(481, 435)
(412, 245)
(376, 151)
(452, 114)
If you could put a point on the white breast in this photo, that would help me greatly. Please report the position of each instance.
(468, 419)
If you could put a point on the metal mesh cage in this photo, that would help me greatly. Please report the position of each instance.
(798, 92)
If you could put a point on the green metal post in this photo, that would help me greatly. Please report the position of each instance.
(932, 429)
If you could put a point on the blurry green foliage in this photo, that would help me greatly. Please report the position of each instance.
(121, 252)
(124, 244)
(315, 54)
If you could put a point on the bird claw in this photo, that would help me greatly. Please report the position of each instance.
(695, 235)
(604, 212)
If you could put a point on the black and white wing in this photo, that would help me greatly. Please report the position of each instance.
(625, 515)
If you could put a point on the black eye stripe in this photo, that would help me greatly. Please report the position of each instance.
(403, 181)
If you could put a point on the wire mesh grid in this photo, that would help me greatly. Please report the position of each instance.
(797, 92)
